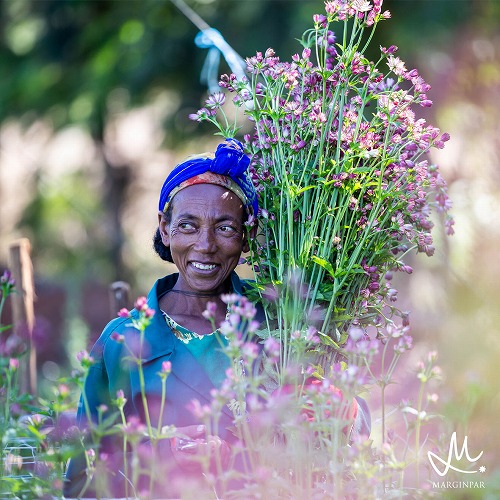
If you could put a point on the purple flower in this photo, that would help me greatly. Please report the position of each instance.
(117, 337)
(85, 359)
(426, 103)
(120, 399)
(216, 100)
(134, 426)
(272, 347)
(210, 311)
(356, 332)
(392, 294)
(7, 283)
(201, 114)
(198, 410)
(320, 19)
(249, 350)
(332, 7)
(7, 278)
(311, 335)
(391, 50)
(405, 343)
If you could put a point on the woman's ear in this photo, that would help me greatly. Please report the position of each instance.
(163, 227)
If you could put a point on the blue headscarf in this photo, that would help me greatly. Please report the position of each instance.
(230, 168)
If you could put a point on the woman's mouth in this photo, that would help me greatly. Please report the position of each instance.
(203, 267)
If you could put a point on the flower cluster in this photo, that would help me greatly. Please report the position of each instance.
(7, 284)
(339, 158)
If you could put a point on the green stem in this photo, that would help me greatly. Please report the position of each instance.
(417, 430)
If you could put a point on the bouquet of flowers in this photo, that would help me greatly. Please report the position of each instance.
(346, 190)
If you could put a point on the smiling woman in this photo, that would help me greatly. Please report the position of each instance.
(205, 235)
(203, 207)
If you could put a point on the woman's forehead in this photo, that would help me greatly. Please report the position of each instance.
(201, 197)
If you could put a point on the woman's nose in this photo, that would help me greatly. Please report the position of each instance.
(206, 241)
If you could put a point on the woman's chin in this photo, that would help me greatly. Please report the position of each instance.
(207, 281)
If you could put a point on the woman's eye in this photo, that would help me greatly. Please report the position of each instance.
(228, 229)
(185, 226)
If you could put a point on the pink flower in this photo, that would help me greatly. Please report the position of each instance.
(426, 103)
(198, 410)
(432, 356)
(405, 343)
(141, 303)
(249, 350)
(120, 399)
(85, 359)
(63, 390)
(396, 65)
(319, 19)
(272, 347)
(331, 7)
(166, 367)
(361, 5)
(148, 312)
(209, 312)
(134, 426)
(311, 335)
(13, 364)
(123, 313)
(117, 337)
(356, 332)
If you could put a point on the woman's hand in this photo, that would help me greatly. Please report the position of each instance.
(190, 451)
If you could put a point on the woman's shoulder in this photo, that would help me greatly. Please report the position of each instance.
(112, 331)
(121, 330)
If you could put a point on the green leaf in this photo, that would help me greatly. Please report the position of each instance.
(326, 340)
(306, 188)
(324, 264)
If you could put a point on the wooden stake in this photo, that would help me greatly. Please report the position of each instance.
(23, 310)
(119, 296)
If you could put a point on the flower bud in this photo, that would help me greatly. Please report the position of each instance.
(141, 303)
(123, 313)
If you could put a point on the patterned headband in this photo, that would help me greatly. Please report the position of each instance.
(227, 169)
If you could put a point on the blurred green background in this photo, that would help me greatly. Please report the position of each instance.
(94, 104)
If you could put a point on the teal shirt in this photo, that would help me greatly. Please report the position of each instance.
(207, 350)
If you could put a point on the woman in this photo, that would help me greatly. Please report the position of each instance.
(203, 207)
(204, 204)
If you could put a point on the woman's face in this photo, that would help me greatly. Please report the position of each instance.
(205, 236)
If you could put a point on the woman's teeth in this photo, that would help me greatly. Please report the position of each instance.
(204, 267)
